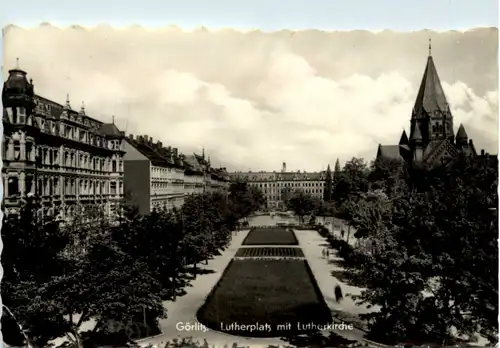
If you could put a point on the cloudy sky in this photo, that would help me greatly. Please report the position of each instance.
(254, 99)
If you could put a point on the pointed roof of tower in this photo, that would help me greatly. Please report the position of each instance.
(404, 139)
(328, 169)
(461, 134)
(337, 166)
(416, 135)
(431, 95)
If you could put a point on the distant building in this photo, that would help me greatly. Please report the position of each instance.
(431, 140)
(277, 187)
(60, 156)
(158, 177)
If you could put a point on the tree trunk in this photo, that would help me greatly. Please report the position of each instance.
(348, 232)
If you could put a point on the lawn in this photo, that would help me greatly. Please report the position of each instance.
(270, 236)
(269, 252)
(265, 292)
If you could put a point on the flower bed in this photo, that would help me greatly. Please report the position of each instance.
(269, 252)
(270, 236)
(275, 295)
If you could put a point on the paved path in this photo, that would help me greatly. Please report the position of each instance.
(312, 244)
(183, 310)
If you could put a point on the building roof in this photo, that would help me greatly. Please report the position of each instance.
(192, 164)
(416, 135)
(280, 176)
(153, 152)
(404, 139)
(461, 134)
(430, 97)
(111, 130)
(389, 152)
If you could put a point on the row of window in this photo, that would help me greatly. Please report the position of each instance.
(61, 186)
(290, 184)
(18, 116)
(47, 156)
(306, 190)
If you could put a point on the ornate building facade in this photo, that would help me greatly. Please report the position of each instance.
(277, 187)
(432, 140)
(60, 156)
(158, 177)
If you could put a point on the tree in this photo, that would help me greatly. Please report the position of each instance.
(327, 192)
(258, 198)
(30, 259)
(79, 270)
(325, 209)
(302, 204)
(352, 180)
(156, 239)
(434, 254)
(385, 174)
(244, 199)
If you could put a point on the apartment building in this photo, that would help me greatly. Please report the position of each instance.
(62, 157)
(277, 187)
(159, 177)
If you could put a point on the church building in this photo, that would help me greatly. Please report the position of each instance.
(432, 140)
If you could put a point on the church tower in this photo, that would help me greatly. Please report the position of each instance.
(432, 111)
(431, 140)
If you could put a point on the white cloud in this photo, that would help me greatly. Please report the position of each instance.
(250, 108)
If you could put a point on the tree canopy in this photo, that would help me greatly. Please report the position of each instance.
(58, 275)
(303, 204)
(432, 260)
(351, 180)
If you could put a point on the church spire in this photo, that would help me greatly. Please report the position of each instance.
(404, 139)
(461, 134)
(430, 97)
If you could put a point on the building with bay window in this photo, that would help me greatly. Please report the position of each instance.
(61, 156)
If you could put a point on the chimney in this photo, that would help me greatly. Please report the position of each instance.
(482, 152)
(160, 145)
(283, 169)
(145, 138)
(150, 140)
(131, 136)
(175, 151)
(139, 138)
